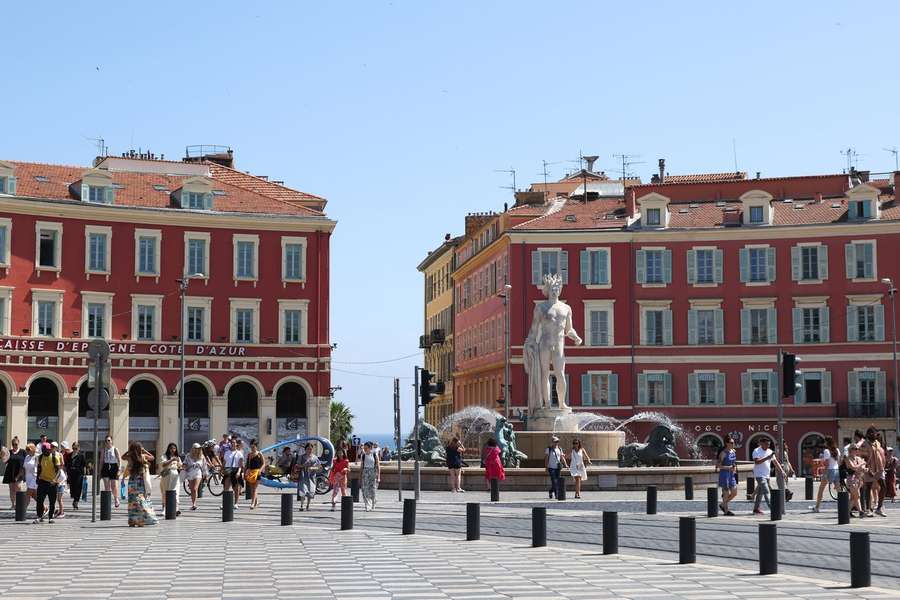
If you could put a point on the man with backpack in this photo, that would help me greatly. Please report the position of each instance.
(48, 468)
(554, 461)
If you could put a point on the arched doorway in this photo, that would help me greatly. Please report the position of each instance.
(43, 409)
(86, 423)
(811, 447)
(143, 415)
(243, 411)
(196, 413)
(709, 445)
(753, 442)
(290, 410)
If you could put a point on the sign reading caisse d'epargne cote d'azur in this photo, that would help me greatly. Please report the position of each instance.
(79, 346)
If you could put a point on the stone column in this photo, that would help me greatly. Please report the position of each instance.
(218, 417)
(118, 421)
(68, 418)
(17, 419)
(267, 416)
(322, 417)
(169, 430)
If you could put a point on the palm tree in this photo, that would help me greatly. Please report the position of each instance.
(341, 422)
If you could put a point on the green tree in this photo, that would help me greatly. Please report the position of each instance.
(341, 422)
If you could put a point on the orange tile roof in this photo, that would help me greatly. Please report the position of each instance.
(706, 177)
(140, 189)
(575, 214)
(265, 187)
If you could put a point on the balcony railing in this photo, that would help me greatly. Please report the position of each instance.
(437, 336)
(424, 341)
(868, 409)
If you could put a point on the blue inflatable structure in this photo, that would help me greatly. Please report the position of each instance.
(326, 458)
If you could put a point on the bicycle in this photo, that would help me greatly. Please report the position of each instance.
(212, 481)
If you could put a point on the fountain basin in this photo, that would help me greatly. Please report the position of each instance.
(600, 445)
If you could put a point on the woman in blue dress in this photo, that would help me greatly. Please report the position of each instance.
(726, 463)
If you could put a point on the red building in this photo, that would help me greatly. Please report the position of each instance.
(685, 290)
(88, 252)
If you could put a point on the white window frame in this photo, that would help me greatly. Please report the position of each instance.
(156, 234)
(751, 282)
(104, 298)
(57, 250)
(204, 302)
(716, 281)
(654, 201)
(253, 239)
(105, 231)
(559, 263)
(154, 300)
(769, 383)
(303, 307)
(595, 305)
(696, 381)
(608, 375)
(300, 241)
(654, 305)
(874, 245)
(820, 248)
(608, 252)
(864, 193)
(662, 250)
(754, 199)
(39, 295)
(6, 223)
(235, 304)
(197, 235)
(6, 310)
(670, 399)
(761, 304)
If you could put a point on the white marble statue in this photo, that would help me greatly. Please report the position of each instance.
(550, 326)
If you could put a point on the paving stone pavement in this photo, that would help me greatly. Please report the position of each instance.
(198, 557)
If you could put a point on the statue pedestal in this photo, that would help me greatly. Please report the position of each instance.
(552, 419)
(544, 423)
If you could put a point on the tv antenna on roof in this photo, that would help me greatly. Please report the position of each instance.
(101, 144)
(512, 172)
(893, 150)
(852, 157)
(627, 162)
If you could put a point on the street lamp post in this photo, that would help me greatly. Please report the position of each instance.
(183, 286)
(505, 295)
(892, 291)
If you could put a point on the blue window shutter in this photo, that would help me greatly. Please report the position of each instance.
(770, 265)
(667, 386)
(667, 327)
(535, 267)
(825, 324)
(746, 397)
(719, 318)
(799, 396)
(642, 389)
(85, 192)
(852, 330)
(718, 263)
(603, 268)
(798, 325)
(826, 387)
(879, 322)
(870, 260)
(11, 185)
(641, 263)
(880, 387)
(585, 267)
(109, 195)
(207, 200)
(773, 388)
(692, 327)
(693, 392)
(796, 273)
(691, 266)
(613, 389)
(667, 266)
(745, 264)
(720, 389)
(772, 324)
(853, 387)
(823, 262)
(850, 260)
(745, 326)
(564, 265)
(586, 399)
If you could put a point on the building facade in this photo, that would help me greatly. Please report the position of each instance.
(98, 252)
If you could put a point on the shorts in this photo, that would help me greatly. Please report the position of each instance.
(234, 476)
(727, 480)
(109, 471)
(833, 475)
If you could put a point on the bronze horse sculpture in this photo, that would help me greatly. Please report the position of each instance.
(659, 451)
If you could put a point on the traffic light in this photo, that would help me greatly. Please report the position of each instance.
(789, 374)
(428, 389)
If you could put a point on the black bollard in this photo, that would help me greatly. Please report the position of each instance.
(768, 549)
(809, 488)
(227, 506)
(688, 488)
(200, 489)
(610, 532)
(346, 513)
(560, 487)
(171, 504)
(687, 540)
(843, 508)
(409, 516)
(538, 527)
(473, 521)
(860, 560)
(21, 505)
(105, 505)
(751, 487)
(651, 499)
(354, 489)
(287, 509)
(248, 493)
(776, 508)
(712, 502)
(495, 490)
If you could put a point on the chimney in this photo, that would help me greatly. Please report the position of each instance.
(447, 237)
(630, 203)
(590, 160)
(662, 170)
(896, 186)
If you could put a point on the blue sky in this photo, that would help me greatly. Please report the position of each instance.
(400, 112)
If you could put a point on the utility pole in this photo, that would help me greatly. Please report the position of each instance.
(397, 438)
(416, 443)
(505, 295)
(98, 351)
(892, 291)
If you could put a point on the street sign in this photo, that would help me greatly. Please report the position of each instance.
(92, 373)
(98, 349)
(92, 399)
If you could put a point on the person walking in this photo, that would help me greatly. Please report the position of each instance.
(255, 464)
(232, 463)
(554, 461)
(856, 469)
(454, 453)
(30, 468)
(195, 468)
(137, 473)
(62, 478)
(49, 465)
(763, 459)
(14, 473)
(370, 469)
(169, 467)
(75, 469)
(578, 464)
(726, 464)
(109, 472)
(890, 474)
(309, 467)
(831, 457)
(340, 471)
(493, 466)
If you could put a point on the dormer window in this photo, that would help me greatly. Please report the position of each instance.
(7, 179)
(757, 208)
(96, 187)
(195, 194)
(654, 210)
(860, 209)
(100, 195)
(653, 217)
(196, 200)
(862, 203)
(756, 215)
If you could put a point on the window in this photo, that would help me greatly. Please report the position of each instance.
(292, 326)
(245, 256)
(860, 260)
(96, 314)
(809, 263)
(96, 322)
(244, 325)
(196, 254)
(704, 266)
(815, 388)
(5, 228)
(867, 393)
(656, 327)
(865, 319)
(197, 325)
(759, 387)
(654, 266)
(5, 307)
(46, 312)
(599, 389)
(97, 249)
(705, 326)
(245, 320)
(147, 244)
(654, 389)
(706, 388)
(196, 200)
(599, 328)
(653, 217)
(549, 261)
(859, 209)
(293, 252)
(758, 325)
(811, 324)
(49, 246)
(146, 320)
(100, 195)
(595, 266)
(757, 264)
(46, 318)
(756, 214)
(292, 321)
(760, 390)
(146, 311)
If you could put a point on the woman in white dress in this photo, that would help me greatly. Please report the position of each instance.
(578, 461)
(30, 473)
(195, 468)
